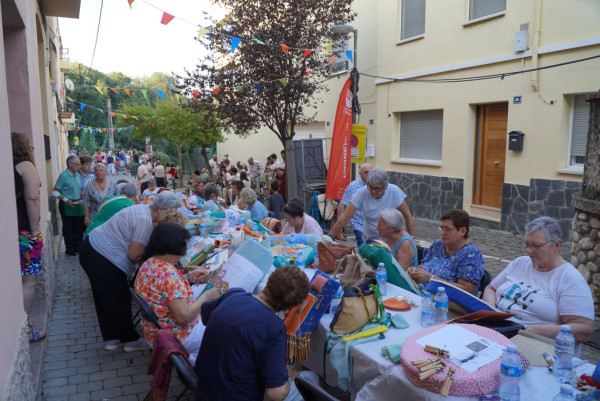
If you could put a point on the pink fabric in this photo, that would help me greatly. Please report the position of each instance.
(310, 226)
(465, 384)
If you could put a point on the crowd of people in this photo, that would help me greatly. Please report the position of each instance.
(135, 235)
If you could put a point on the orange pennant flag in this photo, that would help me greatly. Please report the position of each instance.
(284, 48)
(112, 114)
(152, 125)
(332, 59)
(195, 92)
(127, 91)
(216, 91)
(166, 18)
(114, 90)
(130, 2)
(307, 52)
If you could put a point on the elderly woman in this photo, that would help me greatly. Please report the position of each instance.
(391, 228)
(85, 170)
(109, 255)
(236, 190)
(543, 289)
(298, 222)
(452, 258)
(371, 199)
(127, 195)
(257, 209)
(167, 290)
(150, 192)
(95, 193)
(196, 199)
(211, 198)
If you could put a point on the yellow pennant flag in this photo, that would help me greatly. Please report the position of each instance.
(70, 99)
(329, 47)
(283, 81)
(201, 31)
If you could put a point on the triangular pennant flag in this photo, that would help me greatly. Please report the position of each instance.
(239, 88)
(130, 2)
(201, 31)
(234, 43)
(124, 116)
(112, 114)
(166, 18)
(61, 92)
(70, 99)
(283, 81)
(136, 119)
(329, 47)
(127, 91)
(284, 48)
(160, 93)
(216, 91)
(145, 93)
(99, 109)
(307, 53)
(259, 87)
(114, 90)
(195, 92)
(332, 59)
(152, 125)
(177, 96)
(306, 73)
(98, 89)
(78, 128)
(81, 106)
(259, 42)
(349, 55)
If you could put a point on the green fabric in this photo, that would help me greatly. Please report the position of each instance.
(392, 352)
(108, 210)
(395, 274)
(69, 185)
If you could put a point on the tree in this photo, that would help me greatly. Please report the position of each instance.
(259, 84)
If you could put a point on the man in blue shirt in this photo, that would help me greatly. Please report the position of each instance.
(243, 349)
(68, 191)
(357, 220)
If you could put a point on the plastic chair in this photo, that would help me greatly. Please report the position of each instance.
(420, 254)
(311, 391)
(485, 281)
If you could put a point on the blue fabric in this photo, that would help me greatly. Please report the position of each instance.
(246, 342)
(357, 220)
(276, 203)
(469, 302)
(466, 263)
(394, 249)
(358, 235)
(259, 211)
(314, 211)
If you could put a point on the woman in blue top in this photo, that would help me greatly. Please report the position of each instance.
(392, 229)
(452, 258)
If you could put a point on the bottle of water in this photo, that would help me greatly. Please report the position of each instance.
(203, 230)
(299, 259)
(292, 240)
(336, 300)
(381, 276)
(426, 310)
(565, 394)
(564, 348)
(511, 369)
(441, 306)
(231, 221)
(242, 221)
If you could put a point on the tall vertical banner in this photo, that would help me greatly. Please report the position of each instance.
(338, 176)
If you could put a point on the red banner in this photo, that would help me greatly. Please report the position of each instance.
(339, 174)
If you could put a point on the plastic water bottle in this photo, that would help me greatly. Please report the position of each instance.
(292, 240)
(203, 230)
(336, 300)
(299, 259)
(441, 306)
(564, 348)
(565, 394)
(381, 276)
(242, 221)
(511, 369)
(231, 221)
(426, 310)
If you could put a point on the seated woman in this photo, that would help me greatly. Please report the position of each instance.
(298, 222)
(167, 290)
(257, 209)
(543, 289)
(196, 199)
(211, 198)
(244, 178)
(150, 193)
(391, 228)
(452, 258)
(236, 190)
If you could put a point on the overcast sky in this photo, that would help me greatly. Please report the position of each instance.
(133, 41)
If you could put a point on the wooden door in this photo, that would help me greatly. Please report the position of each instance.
(490, 154)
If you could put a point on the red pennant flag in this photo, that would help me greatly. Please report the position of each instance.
(78, 128)
(153, 125)
(338, 176)
(114, 90)
(130, 2)
(216, 91)
(112, 114)
(128, 92)
(195, 92)
(166, 18)
(332, 59)
(306, 73)
(307, 52)
(284, 48)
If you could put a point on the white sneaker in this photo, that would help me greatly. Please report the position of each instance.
(137, 345)
(112, 345)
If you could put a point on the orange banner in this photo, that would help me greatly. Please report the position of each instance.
(338, 176)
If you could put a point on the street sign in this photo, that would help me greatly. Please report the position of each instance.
(358, 141)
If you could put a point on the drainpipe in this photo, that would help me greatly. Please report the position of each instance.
(535, 62)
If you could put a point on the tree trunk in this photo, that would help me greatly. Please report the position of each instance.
(180, 172)
(591, 171)
(205, 158)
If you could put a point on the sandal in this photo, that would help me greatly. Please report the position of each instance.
(37, 335)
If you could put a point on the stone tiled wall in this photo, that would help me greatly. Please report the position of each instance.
(427, 196)
(586, 249)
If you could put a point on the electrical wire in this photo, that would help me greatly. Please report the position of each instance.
(97, 33)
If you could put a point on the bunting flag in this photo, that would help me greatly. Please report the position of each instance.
(127, 91)
(283, 81)
(124, 116)
(306, 73)
(112, 114)
(285, 48)
(216, 91)
(114, 90)
(160, 93)
(153, 125)
(145, 93)
(201, 32)
(259, 42)
(130, 2)
(70, 99)
(239, 88)
(99, 89)
(332, 59)
(166, 18)
(307, 53)
(81, 107)
(349, 55)
(329, 47)
(259, 87)
(234, 43)
(195, 92)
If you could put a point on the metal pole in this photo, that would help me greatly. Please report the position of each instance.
(111, 137)
(354, 83)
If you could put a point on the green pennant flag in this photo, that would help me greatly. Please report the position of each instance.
(145, 93)
(259, 42)
(239, 88)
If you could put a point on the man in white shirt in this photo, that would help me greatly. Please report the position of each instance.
(143, 175)
(254, 171)
(214, 166)
(159, 174)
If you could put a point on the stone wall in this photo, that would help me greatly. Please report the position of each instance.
(19, 382)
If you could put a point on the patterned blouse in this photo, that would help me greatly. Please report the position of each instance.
(93, 198)
(159, 282)
(310, 226)
(466, 263)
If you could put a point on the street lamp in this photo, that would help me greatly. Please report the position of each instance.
(354, 73)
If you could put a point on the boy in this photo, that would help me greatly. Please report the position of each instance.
(276, 202)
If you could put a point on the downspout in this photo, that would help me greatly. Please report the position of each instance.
(535, 62)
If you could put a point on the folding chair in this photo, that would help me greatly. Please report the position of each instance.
(311, 391)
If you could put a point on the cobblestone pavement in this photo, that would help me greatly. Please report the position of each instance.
(76, 366)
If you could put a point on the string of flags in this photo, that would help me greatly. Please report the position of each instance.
(126, 90)
(95, 130)
(112, 113)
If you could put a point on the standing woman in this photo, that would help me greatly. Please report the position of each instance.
(27, 187)
(86, 175)
(96, 192)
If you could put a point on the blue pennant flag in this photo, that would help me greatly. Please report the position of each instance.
(259, 87)
(160, 93)
(81, 106)
(234, 43)
(349, 55)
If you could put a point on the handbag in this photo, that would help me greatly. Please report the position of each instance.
(329, 254)
(75, 211)
(355, 270)
(358, 307)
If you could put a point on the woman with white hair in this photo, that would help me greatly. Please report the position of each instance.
(543, 289)
(95, 193)
(257, 209)
(109, 256)
(126, 196)
(392, 229)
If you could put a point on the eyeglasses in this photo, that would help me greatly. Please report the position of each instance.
(287, 218)
(527, 245)
(446, 229)
(375, 189)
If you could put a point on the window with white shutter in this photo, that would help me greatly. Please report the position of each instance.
(412, 17)
(580, 118)
(421, 134)
(482, 8)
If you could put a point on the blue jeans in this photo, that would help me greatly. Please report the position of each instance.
(359, 238)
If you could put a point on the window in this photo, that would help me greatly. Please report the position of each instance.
(482, 8)
(342, 63)
(421, 134)
(412, 18)
(580, 117)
